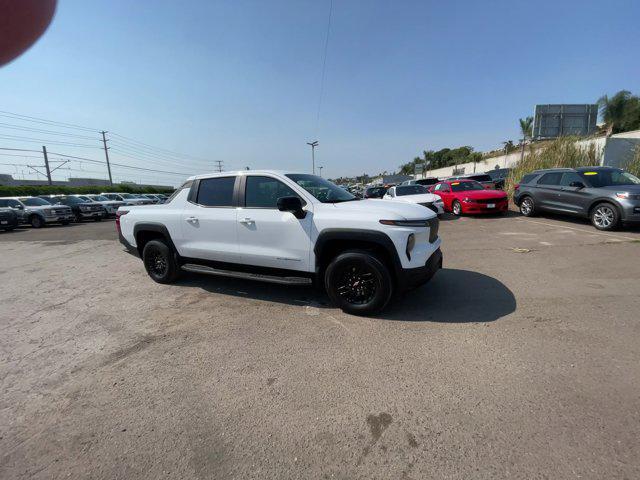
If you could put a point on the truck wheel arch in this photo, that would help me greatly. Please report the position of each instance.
(334, 240)
(143, 232)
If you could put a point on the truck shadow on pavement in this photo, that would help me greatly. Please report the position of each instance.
(452, 296)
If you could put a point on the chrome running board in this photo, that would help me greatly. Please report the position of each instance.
(192, 267)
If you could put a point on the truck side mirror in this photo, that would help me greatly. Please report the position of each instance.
(293, 205)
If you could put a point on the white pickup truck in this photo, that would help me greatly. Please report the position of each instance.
(286, 228)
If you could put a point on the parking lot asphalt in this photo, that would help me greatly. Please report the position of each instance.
(521, 359)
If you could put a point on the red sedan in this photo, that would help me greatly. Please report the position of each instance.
(469, 196)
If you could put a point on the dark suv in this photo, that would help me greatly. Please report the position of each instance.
(605, 195)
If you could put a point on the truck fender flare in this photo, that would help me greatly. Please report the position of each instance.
(153, 227)
(354, 234)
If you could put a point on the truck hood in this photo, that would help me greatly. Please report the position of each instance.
(39, 208)
(386, 208)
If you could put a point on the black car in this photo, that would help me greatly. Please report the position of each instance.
(8, 219)
(375, 192)
(607, 196)
(499, 176)
(81, 210)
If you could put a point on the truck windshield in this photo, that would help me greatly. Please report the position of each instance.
(609, 178)
(323, 190)
(34, 202)
(71, 200)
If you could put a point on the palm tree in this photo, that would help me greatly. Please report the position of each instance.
(526, 128)
(613, 109)
(508, 146)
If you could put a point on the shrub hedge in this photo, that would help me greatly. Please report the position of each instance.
(34, 190)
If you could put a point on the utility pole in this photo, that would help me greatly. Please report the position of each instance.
(320, 168)
(106, 154)
(219, 165)
(313, 146)
(46, 164)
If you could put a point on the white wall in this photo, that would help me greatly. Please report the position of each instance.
(614, 150)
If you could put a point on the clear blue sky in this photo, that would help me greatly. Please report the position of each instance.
(239, 81)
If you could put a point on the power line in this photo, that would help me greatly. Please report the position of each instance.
(157, 148)
(27, 118)
(41, 140)
(91, 160)
(324, 65)
(19, 150)
(128, 156)
(18, 155)
(47, 132)
(127, 142)
(154, 157)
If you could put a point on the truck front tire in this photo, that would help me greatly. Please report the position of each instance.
(160, 262)
(36, 221)
(358, 282)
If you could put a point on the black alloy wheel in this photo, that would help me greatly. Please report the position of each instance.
(358, 282)
(160, 262)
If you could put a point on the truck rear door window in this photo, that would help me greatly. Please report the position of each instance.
(216, 192)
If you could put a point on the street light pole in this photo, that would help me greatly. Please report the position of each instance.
(313, 146)
(320, 168)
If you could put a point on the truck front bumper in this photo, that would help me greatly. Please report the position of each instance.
(58, 218)
(409, 278)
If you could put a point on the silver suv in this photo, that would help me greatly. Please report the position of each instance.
(36, 211)
(607, 196)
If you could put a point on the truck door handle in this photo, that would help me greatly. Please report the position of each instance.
(246, 221)
(192, 219)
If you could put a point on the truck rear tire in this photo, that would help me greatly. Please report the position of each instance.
(160, 262)
(358, 282)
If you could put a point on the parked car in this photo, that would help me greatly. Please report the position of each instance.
(110, 206)
(499, 176)
(416, 194)
(82, 210)
(289, 229)
(375, 192)
(485, 180)
(605, 195)
(128, 198)
(427, 182)
(8, 219)
(469, 197)
(149, 196)
(36, 211)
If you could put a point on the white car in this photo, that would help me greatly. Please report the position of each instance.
(415, 194)
(128, 198)
(286, 228)
(110, 206)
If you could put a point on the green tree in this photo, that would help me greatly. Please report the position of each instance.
(526, 129)
(509, 146)
(620, 112)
